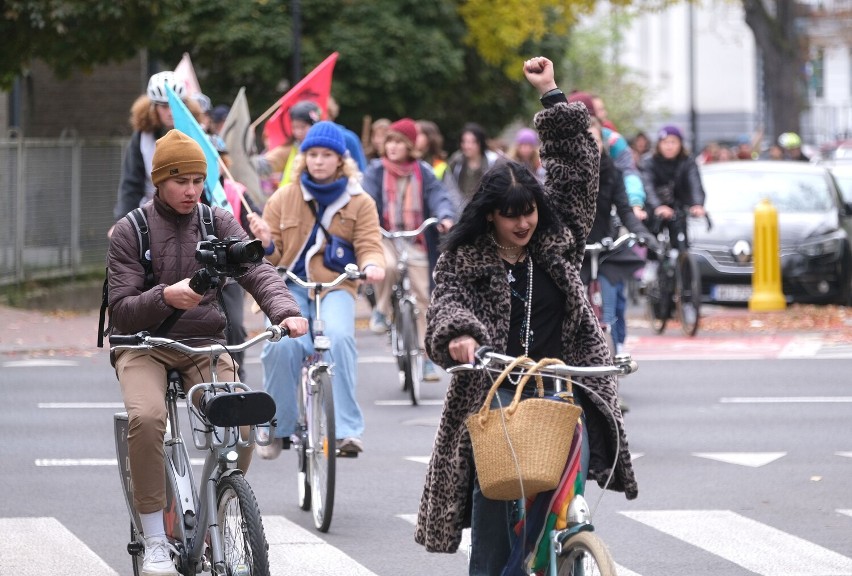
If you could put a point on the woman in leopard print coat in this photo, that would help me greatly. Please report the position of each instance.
(471, 306)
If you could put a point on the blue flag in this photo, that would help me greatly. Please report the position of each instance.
(186, 123)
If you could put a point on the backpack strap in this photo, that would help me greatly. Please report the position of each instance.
(205, 217)
(139, 220)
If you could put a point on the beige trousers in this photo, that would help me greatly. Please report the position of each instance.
(142, 375)
(418, 273)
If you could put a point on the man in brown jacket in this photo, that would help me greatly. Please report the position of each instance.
(178, 172)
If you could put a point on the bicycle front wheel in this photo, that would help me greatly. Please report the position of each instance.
(656, 300)
(584, 554)
(413, 369)
(322, 452)
(302, 475)
(243, 540)
(689, 295)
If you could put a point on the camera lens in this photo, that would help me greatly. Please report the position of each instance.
(245, 252)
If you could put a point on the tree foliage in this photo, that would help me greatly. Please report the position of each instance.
(72, 35)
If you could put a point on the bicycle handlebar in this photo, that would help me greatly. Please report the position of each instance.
(352, 273)
(609, 245)
(623, 366)
(145, 340)
(410, 233)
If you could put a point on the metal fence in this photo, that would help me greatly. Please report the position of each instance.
(57, 197)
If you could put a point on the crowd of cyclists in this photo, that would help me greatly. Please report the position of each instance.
(506, 203)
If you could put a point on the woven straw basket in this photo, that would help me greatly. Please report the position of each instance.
(539, 430)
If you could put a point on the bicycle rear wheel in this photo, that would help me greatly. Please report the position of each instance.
(322, 452)
(689, 295)
(413, 369)
(245, 549)
(584, 554)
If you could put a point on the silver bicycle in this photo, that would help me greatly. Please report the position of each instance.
(316, 446)
(405, 342)
(212, 521)
(575, 550)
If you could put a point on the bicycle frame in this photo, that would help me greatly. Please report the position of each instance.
(190, 512)
(579, 514)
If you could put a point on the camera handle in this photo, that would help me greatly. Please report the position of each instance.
(201, 282)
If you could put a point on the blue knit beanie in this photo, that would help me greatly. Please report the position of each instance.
(325, 135)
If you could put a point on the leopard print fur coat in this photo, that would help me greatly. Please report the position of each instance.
(472, 296)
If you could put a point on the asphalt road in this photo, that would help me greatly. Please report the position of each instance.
(743, 468)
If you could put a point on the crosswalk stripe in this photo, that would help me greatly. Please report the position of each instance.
(754, 546)
(785, 400)
(31, 547)
(751, 459)
(294, 550)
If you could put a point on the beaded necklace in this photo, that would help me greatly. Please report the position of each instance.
(527, 311)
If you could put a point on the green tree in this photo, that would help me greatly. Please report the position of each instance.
(72, 35)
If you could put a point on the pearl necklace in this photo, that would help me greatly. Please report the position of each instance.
(505, 248)
(528, 314)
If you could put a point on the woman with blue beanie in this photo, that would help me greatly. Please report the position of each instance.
(325, 190)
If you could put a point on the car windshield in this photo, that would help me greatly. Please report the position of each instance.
(789, 193)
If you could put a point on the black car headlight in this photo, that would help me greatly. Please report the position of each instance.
(821, 247)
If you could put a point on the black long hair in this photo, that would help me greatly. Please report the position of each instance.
(509, 188)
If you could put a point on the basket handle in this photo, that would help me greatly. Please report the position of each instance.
(539, 383)
(483, 412)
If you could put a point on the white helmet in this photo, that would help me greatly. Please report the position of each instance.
(157, 87)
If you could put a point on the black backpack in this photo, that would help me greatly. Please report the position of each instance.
(139, 220)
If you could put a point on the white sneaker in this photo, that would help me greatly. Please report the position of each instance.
(272, 450)
(158, 560)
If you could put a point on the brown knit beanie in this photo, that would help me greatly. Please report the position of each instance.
(177, 154)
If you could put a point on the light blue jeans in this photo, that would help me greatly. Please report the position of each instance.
(282, 364)
(492, 521)
(614, 304)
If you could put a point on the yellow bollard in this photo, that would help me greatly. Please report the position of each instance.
(766, 293)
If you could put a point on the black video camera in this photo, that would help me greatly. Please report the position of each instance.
(229, 257)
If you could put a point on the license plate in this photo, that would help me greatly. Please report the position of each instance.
(731, 293)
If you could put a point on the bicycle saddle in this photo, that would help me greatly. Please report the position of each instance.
(239, 408)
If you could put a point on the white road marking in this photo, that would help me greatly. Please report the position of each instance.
(420, 459)
(33, 546)
(845, 454)
(408, 403)
(376, 360)
(846, 512)
(785, 399)
(751, 459)
(64, 462)
(802, 347)
(636, 455)
(81, 405)
(40, 363)
(754, 546)
(464, 545)
(294, 550)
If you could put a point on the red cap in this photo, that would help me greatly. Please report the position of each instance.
(406, 128)
(585, 98)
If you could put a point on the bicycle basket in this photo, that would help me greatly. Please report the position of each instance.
(532, 437)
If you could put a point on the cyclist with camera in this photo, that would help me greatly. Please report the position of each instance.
(319, 222)
(140, 301)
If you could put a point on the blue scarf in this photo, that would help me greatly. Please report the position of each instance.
(324, 194)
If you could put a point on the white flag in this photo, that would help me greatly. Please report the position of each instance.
(185, 73)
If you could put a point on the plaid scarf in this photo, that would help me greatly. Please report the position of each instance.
(403, 196)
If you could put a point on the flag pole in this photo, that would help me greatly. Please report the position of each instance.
(266, 114)
(230, 177)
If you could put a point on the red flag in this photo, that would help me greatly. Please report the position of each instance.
(315, 87)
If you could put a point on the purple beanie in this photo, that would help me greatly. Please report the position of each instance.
(669, 130)
(526, 136)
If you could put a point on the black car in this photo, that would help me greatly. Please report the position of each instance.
(814, 225)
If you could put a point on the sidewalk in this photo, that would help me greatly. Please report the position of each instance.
(36, 332)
